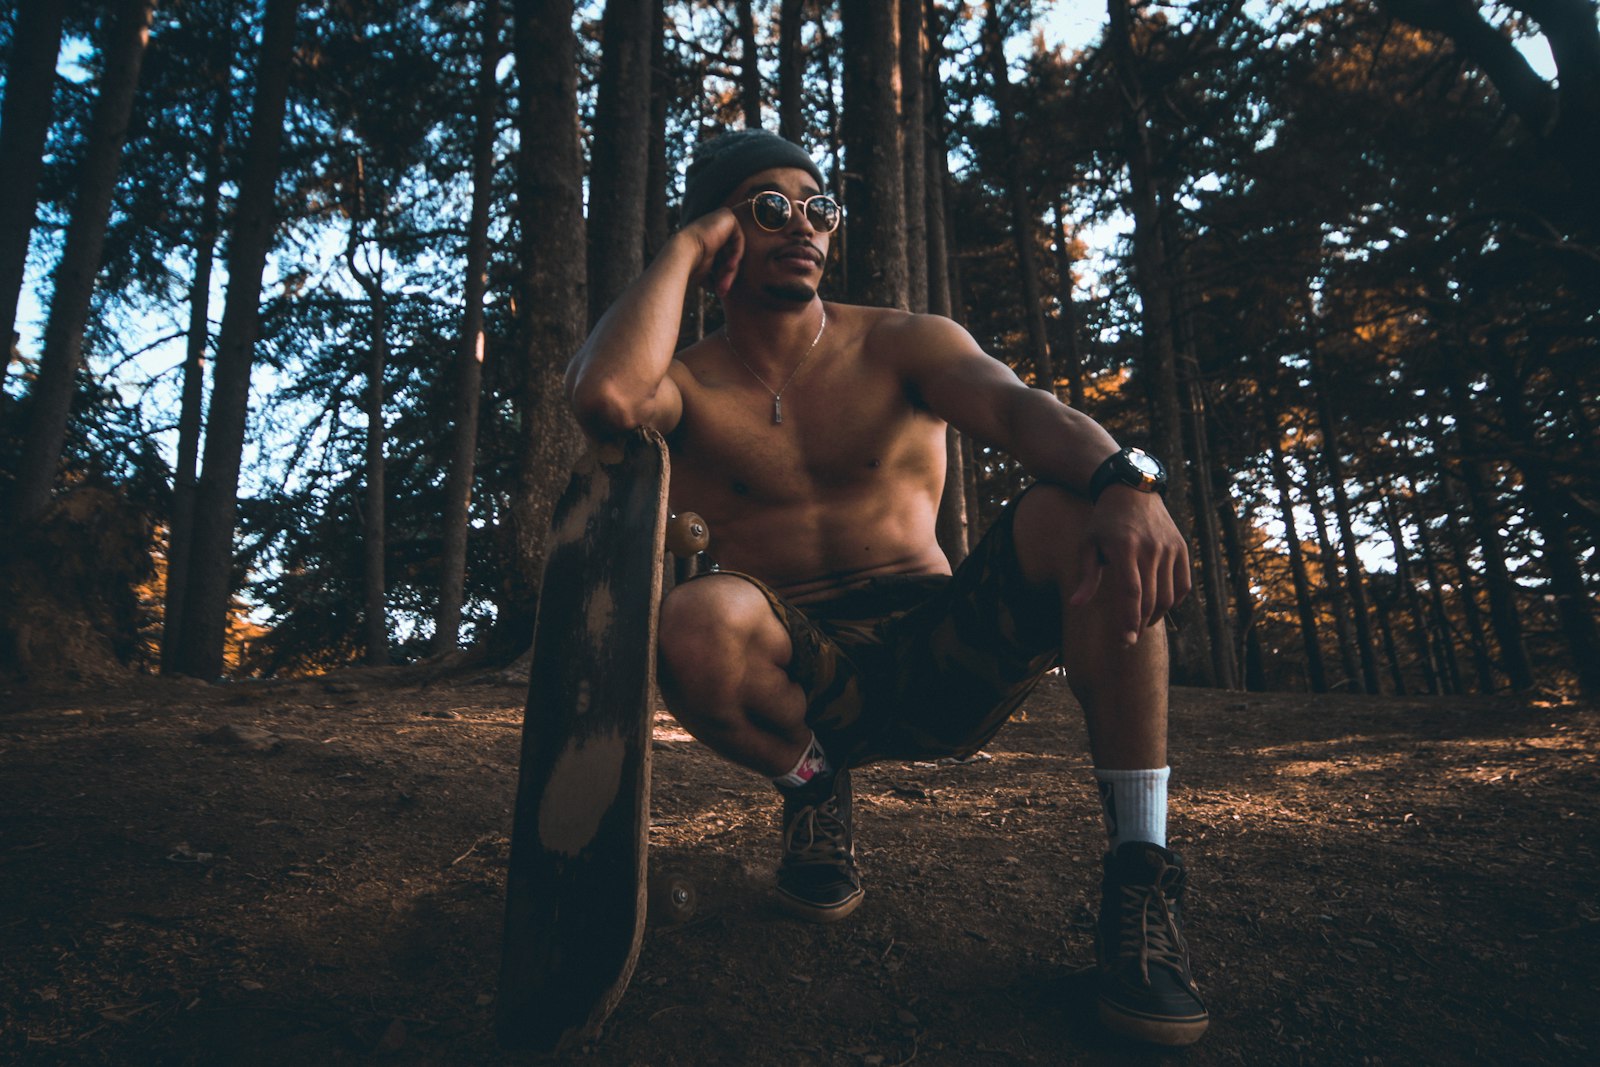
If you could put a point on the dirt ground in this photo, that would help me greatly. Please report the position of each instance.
(311, 873)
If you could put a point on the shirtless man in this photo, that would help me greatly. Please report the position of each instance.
(811, 436)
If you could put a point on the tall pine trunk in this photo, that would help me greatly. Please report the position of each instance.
(374, 552)
(1191, 655)
(1575, 604)
(1505, 615)
(80, 260)
(1023, 223)
(254, 223)
(876, 247)
(1353, 570)
(791, 71)
(1071, 364)
(621, 154)
(24, 123)
(656, 224)
(749, 65)
(1305, 608)
(552, 309)
(912, 135)
(181, 531)
(470, 350)
(1333, 583)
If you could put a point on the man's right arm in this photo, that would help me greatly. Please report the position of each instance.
(619, 379)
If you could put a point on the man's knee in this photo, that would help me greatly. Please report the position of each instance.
(1047, 530)
(710, 621)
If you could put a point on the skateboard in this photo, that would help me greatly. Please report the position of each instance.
(577, 892)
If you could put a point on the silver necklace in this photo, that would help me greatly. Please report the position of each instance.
(777, 394)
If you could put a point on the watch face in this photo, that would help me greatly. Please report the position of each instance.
(1144, 463)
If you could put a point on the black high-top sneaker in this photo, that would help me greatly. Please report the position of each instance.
(817, 879)
(1146, 990)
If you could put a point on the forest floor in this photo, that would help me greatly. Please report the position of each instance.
(312, 873)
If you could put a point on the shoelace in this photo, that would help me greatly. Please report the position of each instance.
(1150, 941)
(823, 834)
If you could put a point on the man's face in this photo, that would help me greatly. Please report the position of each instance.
(785, 264)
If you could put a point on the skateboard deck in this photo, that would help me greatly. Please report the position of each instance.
(576, 891)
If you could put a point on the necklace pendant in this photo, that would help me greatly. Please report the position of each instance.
(777, 411)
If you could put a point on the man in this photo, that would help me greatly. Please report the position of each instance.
(810, 435)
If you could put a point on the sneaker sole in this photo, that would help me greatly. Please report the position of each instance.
(810, 912)
(1155, 1029)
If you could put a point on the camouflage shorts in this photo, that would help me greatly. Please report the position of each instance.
(922, 666)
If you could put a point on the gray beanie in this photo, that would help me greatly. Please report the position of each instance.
(721, 163)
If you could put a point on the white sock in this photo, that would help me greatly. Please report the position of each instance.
(1134, 804)
(813, 764)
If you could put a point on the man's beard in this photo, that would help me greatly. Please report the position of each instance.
(797, 294)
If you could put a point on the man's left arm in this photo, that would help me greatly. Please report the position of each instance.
(1130, 541)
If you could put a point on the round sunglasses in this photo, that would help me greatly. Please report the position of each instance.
(772, 211)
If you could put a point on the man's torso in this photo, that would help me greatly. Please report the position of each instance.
(847, 487)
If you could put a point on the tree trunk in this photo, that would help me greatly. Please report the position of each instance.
(470, 350)
(912, 135)
(1192, 657)
(791, 71)
(254, 222)
(1380, 606)
(876, 248)
(621, 154)
(1505, 616)
(1407, 589)
(1444, 637)
(375, 624)
(1347, 538)
(1477, 638)
(552, 309)
(24, 124)
(181, 532)
(1023, 223)
(749, 65)
(1316, 673)
(1575, 605)
(1248, 644)
(1072, 350)
(80, 259)
(656, 225)
(1333, 582)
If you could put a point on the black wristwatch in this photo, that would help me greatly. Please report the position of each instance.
(1132, 467)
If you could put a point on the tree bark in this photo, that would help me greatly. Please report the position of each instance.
(80, 259)
(1575, 606)
(1407, 589)
(621, 154)
(24, 124)
(1347, 537)
(1248, 644)
(1444, 638)
(1023, 223)
(374, 552)
(1305, 608)
(912, 135)
(1071, 369)
(1467, 595)
(876, 247)
(1333, 582)
(181, 531)
(470, 349)
(1191, 656)
(791, 71)
(749, 66)
(657, 228)
(552, 308)
(254, 223)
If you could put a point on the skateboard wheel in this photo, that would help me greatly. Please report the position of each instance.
(672, 899)
(687, 534)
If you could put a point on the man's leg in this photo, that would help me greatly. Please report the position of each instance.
(1146, 989)
(723, 665)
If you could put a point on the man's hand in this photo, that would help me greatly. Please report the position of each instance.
(1132, 544)
(721, 242)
